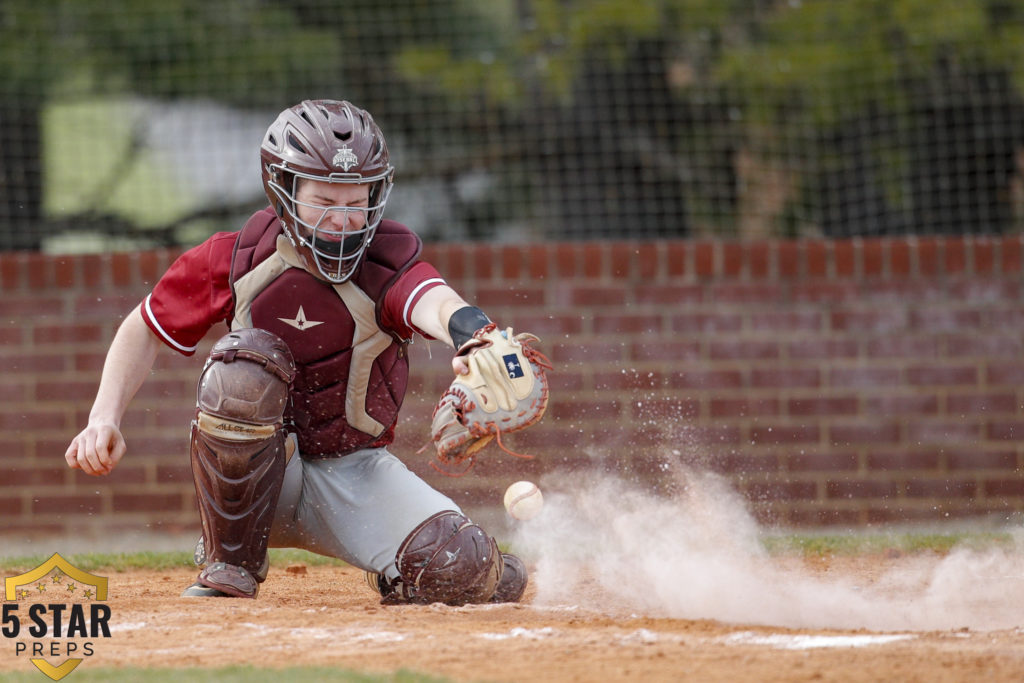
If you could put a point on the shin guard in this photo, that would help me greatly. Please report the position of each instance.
(238, 455)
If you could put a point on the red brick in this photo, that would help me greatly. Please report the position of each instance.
(512, 262)
(744, 407)
(818, 349)
(671, 408)
(902, 460)
(1004, 487)
(821, 462)
(1005, 430)
(759, 255)
(733, 259)
(779, 378)
(621, 256)
(668, 351)
(956, 255)
(817, 253)
(896, 404)
(863, 321)
(483, 260)
(147, 502)
(792, 490)
(704, 259)
(676, 254)
(984, 256)
(150, 268)
(623, 323)
(928, 256)
(648, 260)
(93, 268)
(861, 489)
(745, 292)
(582, 295)
(845, 258)
(824, 292)
(671, 295)
(823, 405)
(10, 271)
(903, 347)
(537, 261)
(864, 433)
(721, 349)
(784, 434)
(66, 505)
(591, 352)
(973, 459)
(864, 377)
(941, 433)
(512, 294)
(122, 269)
(944, 320)
(594, 260)
(963, 405)
(1010, 248)
(706, 379)
(934, 374)
(787, 321)
(707, 323)
(628, 379)
(789, 255)
(873, 254)
(899, 258)
(66, 333)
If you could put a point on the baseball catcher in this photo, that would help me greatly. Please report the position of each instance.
(297, 405)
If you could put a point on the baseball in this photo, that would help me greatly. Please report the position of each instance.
(523, 500)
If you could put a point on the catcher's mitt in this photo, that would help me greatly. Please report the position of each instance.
(506, 390)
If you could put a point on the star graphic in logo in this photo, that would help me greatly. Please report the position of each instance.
(300, 322)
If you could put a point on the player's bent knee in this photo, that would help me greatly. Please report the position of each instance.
(243, 390)
(449, 559)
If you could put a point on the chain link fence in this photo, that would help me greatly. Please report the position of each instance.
(131, 123)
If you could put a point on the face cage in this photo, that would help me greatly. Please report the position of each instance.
(335, 259)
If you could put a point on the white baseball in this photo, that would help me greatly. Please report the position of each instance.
(523, 500)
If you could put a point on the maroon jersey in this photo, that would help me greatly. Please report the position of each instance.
(348, 340)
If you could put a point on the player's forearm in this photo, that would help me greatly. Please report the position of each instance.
(433, 311)
(128, 362)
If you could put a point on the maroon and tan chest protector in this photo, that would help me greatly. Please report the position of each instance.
(351, 374)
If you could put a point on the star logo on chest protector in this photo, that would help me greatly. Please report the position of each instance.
(300, 322)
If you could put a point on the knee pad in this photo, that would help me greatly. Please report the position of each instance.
(448, 559)
(238, 445)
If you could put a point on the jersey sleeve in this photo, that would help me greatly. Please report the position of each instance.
(193, 295)
(403, 296)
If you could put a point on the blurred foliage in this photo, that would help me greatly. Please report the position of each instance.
(584, 118)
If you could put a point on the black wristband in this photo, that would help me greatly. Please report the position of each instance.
(464, 322)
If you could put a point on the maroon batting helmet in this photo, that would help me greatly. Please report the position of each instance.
(334, 142)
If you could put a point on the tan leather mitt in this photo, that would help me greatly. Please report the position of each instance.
(506, 390)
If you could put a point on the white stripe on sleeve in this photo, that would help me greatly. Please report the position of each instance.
(166, 337)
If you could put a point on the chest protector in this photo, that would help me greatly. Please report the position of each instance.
(351, 375)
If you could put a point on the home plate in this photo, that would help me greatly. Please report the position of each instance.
(808, 642)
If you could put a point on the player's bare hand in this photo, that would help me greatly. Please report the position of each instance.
(97, 449)
(460, 366)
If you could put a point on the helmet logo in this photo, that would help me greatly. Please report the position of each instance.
(345, 158)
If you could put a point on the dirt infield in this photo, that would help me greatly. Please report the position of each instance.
(328, 616)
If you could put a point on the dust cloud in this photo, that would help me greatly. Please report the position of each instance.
(697, 554)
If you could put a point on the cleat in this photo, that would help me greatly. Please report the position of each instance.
(198, 590)
(513, 580)
(232, 580)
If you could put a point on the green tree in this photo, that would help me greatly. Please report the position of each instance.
(246, 53)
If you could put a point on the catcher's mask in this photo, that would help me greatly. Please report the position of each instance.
(332, 142)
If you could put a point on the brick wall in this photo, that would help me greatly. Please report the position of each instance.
(844, 382)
